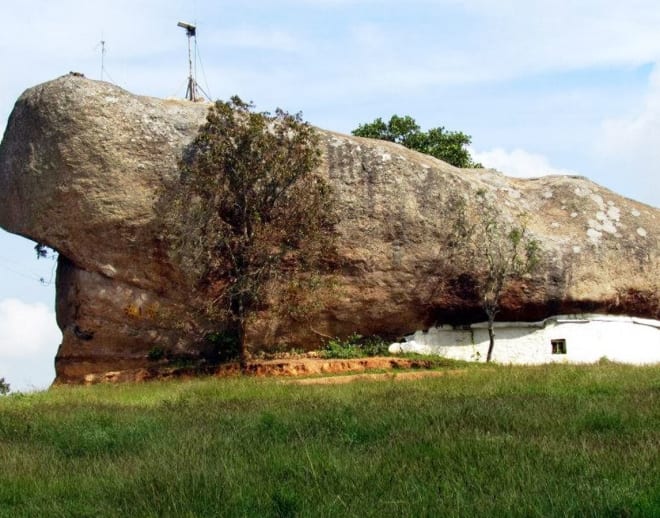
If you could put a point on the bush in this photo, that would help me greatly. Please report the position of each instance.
(4, 386)
(355, 346)
(156, 353)
(223, 346)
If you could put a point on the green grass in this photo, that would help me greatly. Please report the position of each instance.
(502, 441)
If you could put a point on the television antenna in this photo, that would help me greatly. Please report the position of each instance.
(191, 90)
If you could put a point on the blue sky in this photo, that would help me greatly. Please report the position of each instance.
(542, 87)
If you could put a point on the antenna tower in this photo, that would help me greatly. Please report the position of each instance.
(191, 90)
(102, 58)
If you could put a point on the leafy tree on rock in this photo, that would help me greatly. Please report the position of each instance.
(250, 208)
(449, 146)
(494, 251)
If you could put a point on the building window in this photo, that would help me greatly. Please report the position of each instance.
(558, 346)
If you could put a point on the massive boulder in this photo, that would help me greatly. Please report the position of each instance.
(84, 166)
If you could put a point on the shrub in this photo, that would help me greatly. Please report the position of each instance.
(355, 346)
(156, 353)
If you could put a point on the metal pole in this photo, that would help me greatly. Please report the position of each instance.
(102, 58)
(191, 93)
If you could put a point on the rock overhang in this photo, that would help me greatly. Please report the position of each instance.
(83, 165)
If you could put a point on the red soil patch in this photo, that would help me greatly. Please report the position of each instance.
(292, 367)
(381, 376)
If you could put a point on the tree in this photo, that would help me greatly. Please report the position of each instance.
(449, 146)
(495, 251)
(4, 387)
(249, 208)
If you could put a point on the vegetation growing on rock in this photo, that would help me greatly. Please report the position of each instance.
(496, 251)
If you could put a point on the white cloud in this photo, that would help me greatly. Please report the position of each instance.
(637, 133)
(629, 144)
(27, 330)
(518, 163)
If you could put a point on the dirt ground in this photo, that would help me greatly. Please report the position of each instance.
(377, 376)
(303, 370)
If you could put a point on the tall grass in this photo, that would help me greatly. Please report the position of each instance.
(506, 441)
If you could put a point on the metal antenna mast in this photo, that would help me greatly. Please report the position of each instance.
(102, 58)
(191, 32)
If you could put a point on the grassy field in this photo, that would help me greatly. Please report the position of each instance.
(501, 441)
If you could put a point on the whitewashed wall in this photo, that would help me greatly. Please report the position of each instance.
(588, 339)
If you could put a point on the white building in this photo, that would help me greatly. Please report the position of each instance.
(568, 339)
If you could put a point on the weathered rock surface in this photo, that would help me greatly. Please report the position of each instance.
(83, 165)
